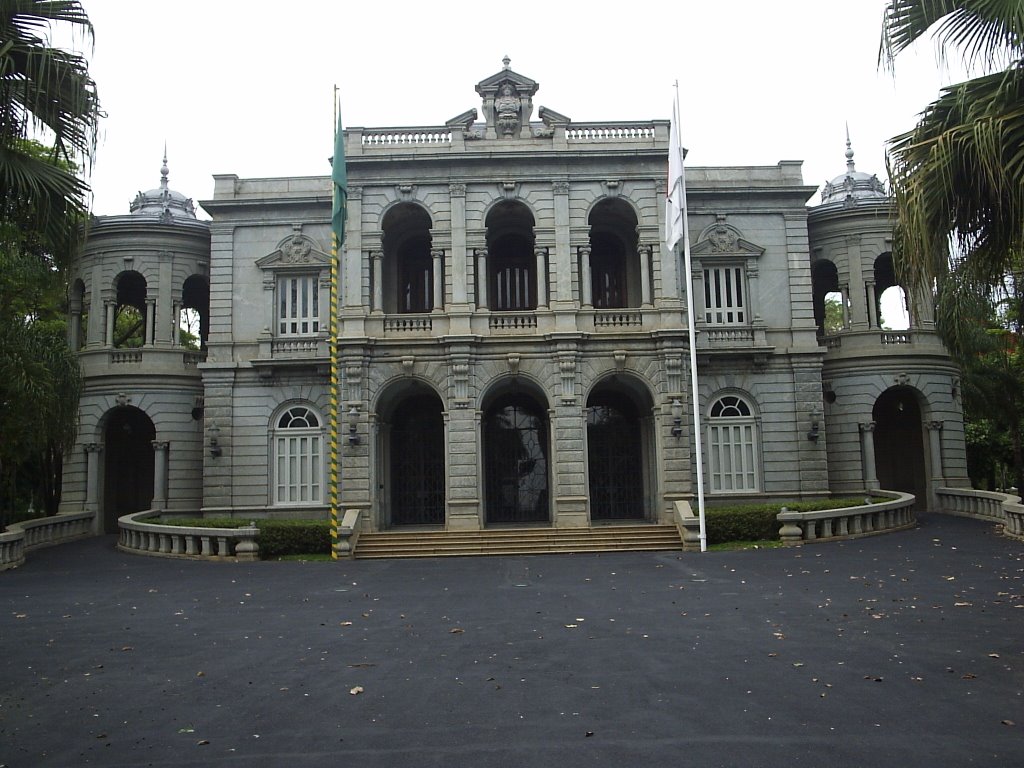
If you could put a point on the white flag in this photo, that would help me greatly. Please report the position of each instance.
(675, 201)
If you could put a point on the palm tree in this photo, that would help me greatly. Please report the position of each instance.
(45, 93)
(958, 176)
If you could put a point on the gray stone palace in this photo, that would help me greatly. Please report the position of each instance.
(513, 346)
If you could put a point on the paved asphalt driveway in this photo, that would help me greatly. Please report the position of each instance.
(899, 650)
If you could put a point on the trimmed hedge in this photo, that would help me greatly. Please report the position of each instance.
(294, 537)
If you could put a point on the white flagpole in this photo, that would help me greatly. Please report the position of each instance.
(688, 277)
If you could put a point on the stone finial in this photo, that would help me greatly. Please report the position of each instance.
(506, 63)
(850, 168)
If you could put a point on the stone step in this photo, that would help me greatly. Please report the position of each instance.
(395, 544)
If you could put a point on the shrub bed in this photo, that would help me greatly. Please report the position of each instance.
(294, 537)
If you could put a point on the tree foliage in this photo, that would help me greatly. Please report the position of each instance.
(46, 94)
(48, 117)
(958, 175)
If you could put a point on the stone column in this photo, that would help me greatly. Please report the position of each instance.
(150, 323)
(438, 257)
(460, 273)
(867, 441)
(587, 286)
(377, 281)
(481, 278)
(542, 277)
(562, 262)
(753, 310)
(175, 319)
(643, 252)
(858, 307)
(844, 291)
(93, 452)
(159, 474)
(935, 447)
(872, 300)
(75, 330)
(109, 308)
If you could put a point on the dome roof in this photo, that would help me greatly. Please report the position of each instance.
(163, 202)
(854, 185)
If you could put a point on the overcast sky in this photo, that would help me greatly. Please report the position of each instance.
(233, 88)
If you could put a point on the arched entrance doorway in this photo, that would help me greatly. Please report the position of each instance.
(417, 461)
(899, 443)
(616, 456)
(128, 464)
(515, 441)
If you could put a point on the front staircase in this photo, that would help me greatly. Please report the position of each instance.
(518, 541)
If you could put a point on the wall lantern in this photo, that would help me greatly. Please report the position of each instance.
(815, 431)
(215, 449)
(353, 425)
(677, 417)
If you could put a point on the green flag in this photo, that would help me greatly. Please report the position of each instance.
(340, 178)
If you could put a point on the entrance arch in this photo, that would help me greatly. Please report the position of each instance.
(416, 457)
(618, 450)
(516, 466)
(128, 465)
(899, 443)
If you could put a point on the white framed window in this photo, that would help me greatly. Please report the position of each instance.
(732, 442)
(298, 457)
(298, 305)
(724, 296)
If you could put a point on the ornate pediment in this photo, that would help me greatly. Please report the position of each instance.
(507, 102)
(721, 239)
(295, 252)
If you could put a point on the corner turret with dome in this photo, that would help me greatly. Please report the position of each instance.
(853, 186)
(163, 202)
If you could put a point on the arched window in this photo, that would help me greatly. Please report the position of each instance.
(512, 261)
(408, 267)
(298, 457)
(131, 327)
(614, 263)
(732, 446)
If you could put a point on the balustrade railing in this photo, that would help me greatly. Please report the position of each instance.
(123, 356)
(41, 532)
(406, 137)
(728, 335)
(996, 506)
(512, 322)
(614, 318)
(580, 132)
(896, 337)
(848, 522)
(408, 324)
(299, 347)
(136, 535)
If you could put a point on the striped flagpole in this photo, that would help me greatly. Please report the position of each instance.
(337, 202)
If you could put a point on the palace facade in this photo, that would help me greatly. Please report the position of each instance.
(513, 346)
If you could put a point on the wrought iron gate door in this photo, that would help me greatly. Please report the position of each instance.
(615, 463)
(516, 462)
(417, 464)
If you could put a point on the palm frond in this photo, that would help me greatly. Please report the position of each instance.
(985, 32)
(958, 179)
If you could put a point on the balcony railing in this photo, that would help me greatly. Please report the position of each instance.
(408, 324)
(513, 322)
(616, 318)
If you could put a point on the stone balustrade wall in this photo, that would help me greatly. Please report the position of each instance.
(1004, 508)
(42, 532)
(848, 522)
(145, 538)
